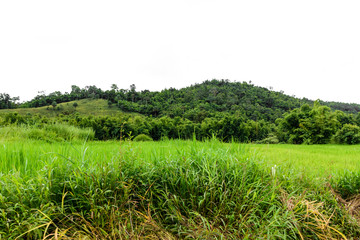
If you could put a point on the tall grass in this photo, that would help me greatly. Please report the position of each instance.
(50, 132)
(159, 190)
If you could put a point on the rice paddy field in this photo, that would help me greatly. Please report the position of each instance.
(311, 160)
(177, 190)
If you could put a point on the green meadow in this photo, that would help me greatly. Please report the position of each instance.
(311, 160)
(176, 190)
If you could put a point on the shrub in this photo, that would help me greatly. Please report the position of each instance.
(271, 139)
(348, 134)
(142, 138)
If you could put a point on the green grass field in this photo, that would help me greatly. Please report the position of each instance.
(173, 190)
(315, 160)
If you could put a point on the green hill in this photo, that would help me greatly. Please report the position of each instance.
(212, 98)
(96, 107)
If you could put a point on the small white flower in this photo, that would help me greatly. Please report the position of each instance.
(273, 170)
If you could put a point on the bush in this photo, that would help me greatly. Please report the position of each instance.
(142, 138)
(271, 139)
(348, 134)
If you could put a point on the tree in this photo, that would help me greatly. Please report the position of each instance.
(348, 134)
(114, 87)
(75, 105)
(75, 91)
(308, 125)
(54, 104)
(321, 125)
(132, 92)
(7, 102)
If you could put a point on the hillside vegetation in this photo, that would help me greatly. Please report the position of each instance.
(228, 110)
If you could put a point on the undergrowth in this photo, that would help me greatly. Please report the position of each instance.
(49, 132)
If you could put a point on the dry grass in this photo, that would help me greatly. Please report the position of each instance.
(351, 205)
(310, 216)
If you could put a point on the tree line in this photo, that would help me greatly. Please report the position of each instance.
(228, 110)
(315, 124)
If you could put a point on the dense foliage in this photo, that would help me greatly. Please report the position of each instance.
(194, 103)
(348, 134)
(318, 125)
(228, 110)
(127, 126)
(7, 102)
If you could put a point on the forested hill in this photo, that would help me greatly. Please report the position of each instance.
(214, 98)
(228, 110)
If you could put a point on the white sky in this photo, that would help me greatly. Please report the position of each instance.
(306, 48)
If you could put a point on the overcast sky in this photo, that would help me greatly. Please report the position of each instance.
(305, 48)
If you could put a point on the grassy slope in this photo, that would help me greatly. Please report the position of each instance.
(85, 107)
